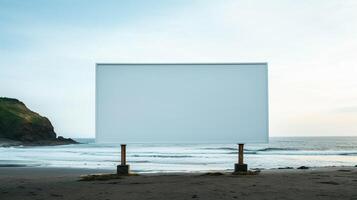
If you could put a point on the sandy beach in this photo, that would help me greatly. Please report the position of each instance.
(19, 183)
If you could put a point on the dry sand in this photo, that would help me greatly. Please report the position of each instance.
(20, 183)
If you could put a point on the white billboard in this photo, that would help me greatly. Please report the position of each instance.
(179, 103)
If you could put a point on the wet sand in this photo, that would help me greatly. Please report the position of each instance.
(21, 183)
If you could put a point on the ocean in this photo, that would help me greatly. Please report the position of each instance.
(194, 157)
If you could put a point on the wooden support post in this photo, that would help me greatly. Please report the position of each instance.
(123, 168)
(240, 166)
(123, 154)
(240, 153)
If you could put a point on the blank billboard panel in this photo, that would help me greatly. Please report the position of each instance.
(182, 103)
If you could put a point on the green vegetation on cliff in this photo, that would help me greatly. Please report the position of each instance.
(19, 123)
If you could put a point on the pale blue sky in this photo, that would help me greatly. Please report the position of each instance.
(48, 51)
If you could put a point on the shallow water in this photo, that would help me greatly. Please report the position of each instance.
(150, 157)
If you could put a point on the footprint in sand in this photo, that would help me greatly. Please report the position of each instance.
(330, 182)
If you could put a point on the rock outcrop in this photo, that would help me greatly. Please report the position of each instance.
(20, 125)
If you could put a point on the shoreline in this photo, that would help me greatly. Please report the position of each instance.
(9, 166)
(63, 183)
(227, 171)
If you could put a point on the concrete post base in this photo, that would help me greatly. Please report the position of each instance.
(123, 169)
(240, 167)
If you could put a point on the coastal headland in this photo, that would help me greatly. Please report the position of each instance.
(21, 126)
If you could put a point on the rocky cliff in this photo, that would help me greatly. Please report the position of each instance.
(23, 126)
